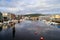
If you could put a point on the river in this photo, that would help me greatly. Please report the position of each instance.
(30, 30)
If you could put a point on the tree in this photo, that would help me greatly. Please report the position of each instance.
(1, 17)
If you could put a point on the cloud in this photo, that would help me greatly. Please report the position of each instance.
(29, 6)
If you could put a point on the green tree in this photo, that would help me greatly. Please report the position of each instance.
(1, 17)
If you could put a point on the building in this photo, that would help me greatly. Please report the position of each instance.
(47, 18)
(55, 18)
(34, 18)
(27, 18)
(5, 16)
(8, 16)
(13, 16)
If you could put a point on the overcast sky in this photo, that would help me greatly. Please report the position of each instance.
(30, 6)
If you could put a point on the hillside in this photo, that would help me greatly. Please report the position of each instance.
(34, 15)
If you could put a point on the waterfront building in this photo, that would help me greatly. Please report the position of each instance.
(55, 18)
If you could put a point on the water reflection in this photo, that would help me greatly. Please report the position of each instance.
(29, 30)
(4, 27)
(13, 32)
(0, 28)
(7, 32)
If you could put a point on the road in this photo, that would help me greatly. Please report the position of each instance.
(30, 30)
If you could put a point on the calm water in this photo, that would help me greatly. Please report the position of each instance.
(26, 31)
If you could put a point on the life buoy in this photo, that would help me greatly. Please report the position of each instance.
(41, 38)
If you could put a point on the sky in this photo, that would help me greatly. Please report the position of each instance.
(30, 6)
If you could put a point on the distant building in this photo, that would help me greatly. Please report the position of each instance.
(27, 18)
(8, 16)
(55, 18)
(34, 18)
(47, 18)
(5, 16)
(13, 16)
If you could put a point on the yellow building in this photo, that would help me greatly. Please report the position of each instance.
(55, 16)
(4, 14)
